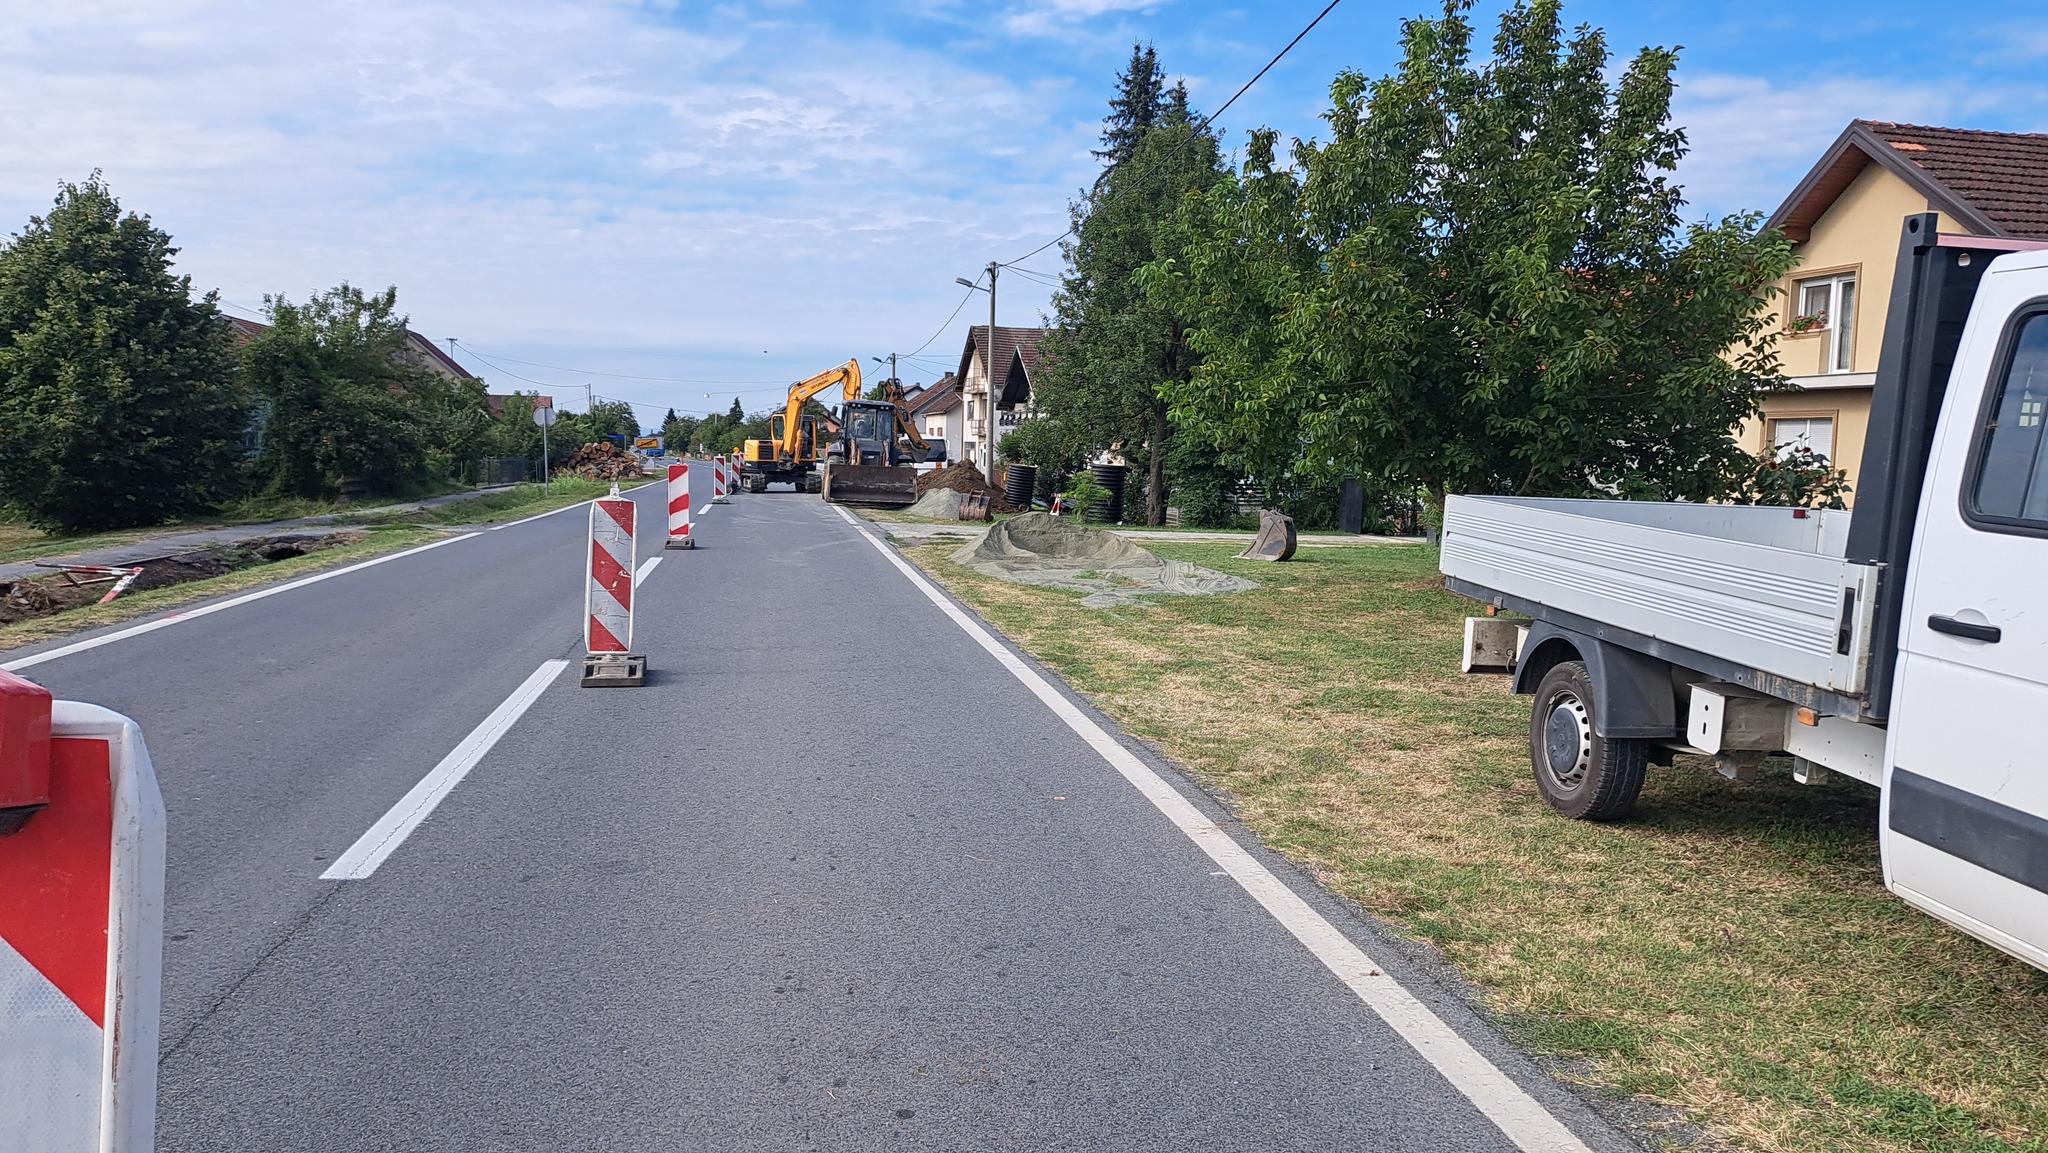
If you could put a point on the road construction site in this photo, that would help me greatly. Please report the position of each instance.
(875, 882)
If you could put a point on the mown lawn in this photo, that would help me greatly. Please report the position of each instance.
(1731, 952)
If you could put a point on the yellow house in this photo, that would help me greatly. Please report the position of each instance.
(1843, 220)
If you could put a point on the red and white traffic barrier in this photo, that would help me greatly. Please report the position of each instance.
(679, 506)
(81, 926)
(608, 597)
(721, 484)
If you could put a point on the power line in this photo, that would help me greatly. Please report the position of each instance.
(943, 327)
(625, 375)
(1206, 120)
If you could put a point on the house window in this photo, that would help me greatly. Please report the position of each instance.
(1827, 305)
(1814, 432)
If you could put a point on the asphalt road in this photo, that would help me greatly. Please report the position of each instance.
(833, 879)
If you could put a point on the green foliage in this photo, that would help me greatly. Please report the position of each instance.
(1084, 492)
(1480, 283)
(118, 405)
(1798, 478)
(1114, 349)
(346, 397)
(676, 431)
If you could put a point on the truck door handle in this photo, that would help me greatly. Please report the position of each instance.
(1989, 634)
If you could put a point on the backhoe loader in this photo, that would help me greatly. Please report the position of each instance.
(878, 443)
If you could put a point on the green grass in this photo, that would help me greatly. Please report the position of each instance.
(1731, 952)
(376, 542)
(386, 532)
(18, 541)
(510, 504)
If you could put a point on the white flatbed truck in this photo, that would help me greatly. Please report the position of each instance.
(1904, 644)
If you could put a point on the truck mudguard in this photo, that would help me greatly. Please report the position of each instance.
(1632, 691)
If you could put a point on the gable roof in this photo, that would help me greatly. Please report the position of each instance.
(1008, 340)
(1993, 183)
(943, 394)
(421, 347)
(1017, 375)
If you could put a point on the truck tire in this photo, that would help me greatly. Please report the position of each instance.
(1583, 775)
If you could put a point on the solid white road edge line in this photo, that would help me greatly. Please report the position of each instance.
(646, 566)
(536, 516)
(1525, 1122)
(391, 830)
(208, 610)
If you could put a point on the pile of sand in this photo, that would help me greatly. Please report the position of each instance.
(1041, 549)
(962, 477)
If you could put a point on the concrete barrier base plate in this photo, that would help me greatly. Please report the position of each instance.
(681, 542)
(614, 671)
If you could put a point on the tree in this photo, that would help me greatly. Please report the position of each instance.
(1481, 282)
(347, 400)
(1114, 348)
(676, 431)
(118, 404)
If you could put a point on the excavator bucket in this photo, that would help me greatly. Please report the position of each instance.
(974, 506)
(1276, 539)
(877, 485)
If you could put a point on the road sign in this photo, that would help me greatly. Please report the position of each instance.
(647, 444)
(544, 417)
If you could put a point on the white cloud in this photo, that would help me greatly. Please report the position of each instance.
(554, 172)
(1059, 17)
(1751, 139)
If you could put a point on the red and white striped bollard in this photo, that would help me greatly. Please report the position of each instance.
(679, 506)
(608, 597)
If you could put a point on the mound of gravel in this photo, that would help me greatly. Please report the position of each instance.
(1041, 549)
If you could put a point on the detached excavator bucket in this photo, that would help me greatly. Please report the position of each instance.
(1275, 540)
(879, 485)
(974, 506)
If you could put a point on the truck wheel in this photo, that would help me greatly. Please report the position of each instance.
(1583, 775)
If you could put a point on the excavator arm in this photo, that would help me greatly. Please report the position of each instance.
(847, 376)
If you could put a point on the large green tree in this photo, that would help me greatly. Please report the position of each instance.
(347, 399)
(118, 404)
(1114, 349)
(1481, 281)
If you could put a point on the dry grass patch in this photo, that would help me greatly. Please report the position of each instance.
(1731, 952)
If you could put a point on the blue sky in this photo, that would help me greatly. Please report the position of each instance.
(651, 197)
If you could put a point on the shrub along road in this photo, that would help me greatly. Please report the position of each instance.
(834, 879)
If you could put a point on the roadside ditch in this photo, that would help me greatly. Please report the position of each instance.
(65, 589)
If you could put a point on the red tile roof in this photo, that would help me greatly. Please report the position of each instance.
(1992, 183)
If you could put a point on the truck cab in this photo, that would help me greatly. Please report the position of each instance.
(1965, 808)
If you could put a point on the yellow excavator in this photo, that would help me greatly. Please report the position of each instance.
(869, 464)
(790, 454)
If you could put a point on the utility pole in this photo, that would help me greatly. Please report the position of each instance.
(988, 373)
(988, 380)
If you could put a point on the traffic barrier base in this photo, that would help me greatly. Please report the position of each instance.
(614, 671)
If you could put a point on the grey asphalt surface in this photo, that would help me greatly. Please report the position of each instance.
(832, 880)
